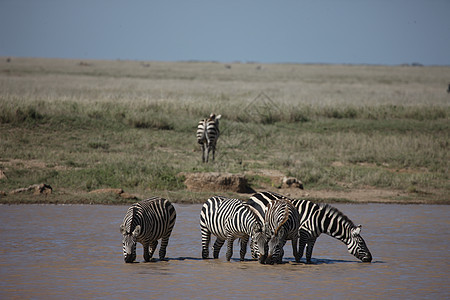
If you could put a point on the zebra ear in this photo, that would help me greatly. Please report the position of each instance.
(218, 117)
(137, 231)
(122, 229)
(357, 230)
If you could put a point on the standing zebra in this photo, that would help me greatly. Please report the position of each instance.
(207, 135)
(146, 222)
(227, 219)
(281, 223)
(316, 219)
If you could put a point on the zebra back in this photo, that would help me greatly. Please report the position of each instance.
(323, 218)
(220, 214)
(212, 129)
(281, 213)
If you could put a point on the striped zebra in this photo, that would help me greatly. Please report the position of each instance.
(146, 222)
(281, 223)
(227, 219)
(207, 135)
(316, 219)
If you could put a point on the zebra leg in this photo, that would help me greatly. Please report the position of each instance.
(213, 148)
(149, 250)
(280, 257)
(146, 252)
(309, 249)
(208, 148)
(217, 246)
(244, 242)
(206, 238)
(302, 243)
(253, 249)
(230, 241)
(203, 152)
(294, 250)
(163, 248)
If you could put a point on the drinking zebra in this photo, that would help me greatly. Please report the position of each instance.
(227, 219)
(316, 219)
(207, 135)
(146, 222)
(281, 223)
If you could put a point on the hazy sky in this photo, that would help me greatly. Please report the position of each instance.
(304, 31)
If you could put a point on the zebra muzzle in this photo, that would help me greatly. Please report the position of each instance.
(129, 258)
(367, 258)
(262, 259)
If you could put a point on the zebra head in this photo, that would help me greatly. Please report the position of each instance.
(357, 246)
(259, 242)
(129, 242)
(275, 239)
(277, 215)
(258, 235)
(215, 118)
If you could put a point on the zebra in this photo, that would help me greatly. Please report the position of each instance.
(281, 223)
(146, 222)
(227, 219)
(207, 134)
(316, 219)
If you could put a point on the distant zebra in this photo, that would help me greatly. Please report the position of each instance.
(227, 219)
(448, 89)
(207, 134)
(281, 223)
(316, 219)
(146, 222)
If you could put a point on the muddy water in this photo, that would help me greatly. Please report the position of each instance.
(74, 252)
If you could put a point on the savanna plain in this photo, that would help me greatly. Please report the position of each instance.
(349, 133)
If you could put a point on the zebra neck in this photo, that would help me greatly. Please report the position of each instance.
(135, 219)
(336, 224)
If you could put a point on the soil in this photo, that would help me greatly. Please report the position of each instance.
(213, 183)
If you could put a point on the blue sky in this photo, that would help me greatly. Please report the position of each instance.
(305, 31)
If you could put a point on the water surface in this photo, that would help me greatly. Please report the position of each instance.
(75, 251)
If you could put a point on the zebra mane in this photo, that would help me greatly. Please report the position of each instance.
(286, 215)
(133, 214)
(333, 211)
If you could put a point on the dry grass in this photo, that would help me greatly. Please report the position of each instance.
(85, 125)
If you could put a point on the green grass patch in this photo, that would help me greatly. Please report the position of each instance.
(118, 124)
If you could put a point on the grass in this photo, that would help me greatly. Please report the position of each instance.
(80, 126)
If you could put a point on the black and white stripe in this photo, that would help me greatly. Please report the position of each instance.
(146, 222)
(207, 134)
(281, 223)
(227, 219)
(316, 219)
